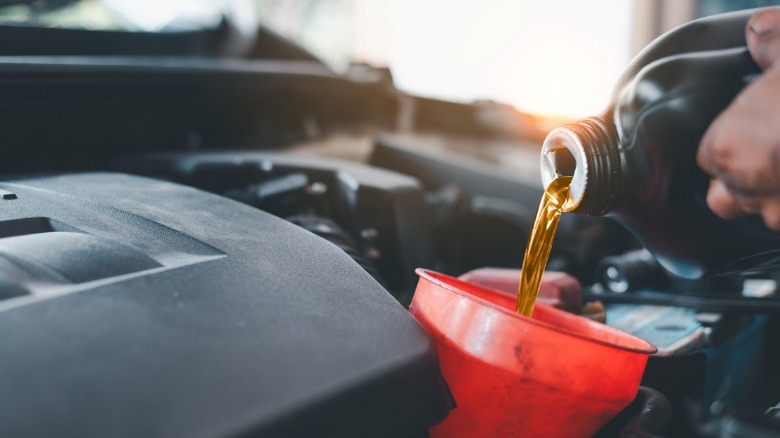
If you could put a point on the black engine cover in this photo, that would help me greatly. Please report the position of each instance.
(136, 307)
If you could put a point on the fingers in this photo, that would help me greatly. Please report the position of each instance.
(742, 145)
(770, 213)
(722, 202)
(714, 153)
(740, 150)
(763, 36)
(729, 205)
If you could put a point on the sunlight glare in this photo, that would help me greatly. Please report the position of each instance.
(550, 58)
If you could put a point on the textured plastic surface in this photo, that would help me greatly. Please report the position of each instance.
(223, 321)
(357, 197)
(554, 375)
(717, 32)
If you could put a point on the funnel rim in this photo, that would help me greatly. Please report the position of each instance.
(433, 276)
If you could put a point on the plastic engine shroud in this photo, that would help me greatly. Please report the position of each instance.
(136, 307)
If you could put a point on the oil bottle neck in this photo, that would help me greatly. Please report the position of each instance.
(586, 150)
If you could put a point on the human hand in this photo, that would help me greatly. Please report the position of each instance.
(741, 149)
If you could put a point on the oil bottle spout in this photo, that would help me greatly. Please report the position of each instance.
(587, 152)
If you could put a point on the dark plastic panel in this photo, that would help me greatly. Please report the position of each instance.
(234, 322)
(358, 197)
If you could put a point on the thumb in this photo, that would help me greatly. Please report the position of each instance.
(722, 202)
(763, 36)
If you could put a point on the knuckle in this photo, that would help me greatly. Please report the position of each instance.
(771, 221)
(770, 214)
(722, 203)
(721, 151)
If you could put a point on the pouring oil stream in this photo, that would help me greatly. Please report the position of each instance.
(555, 200)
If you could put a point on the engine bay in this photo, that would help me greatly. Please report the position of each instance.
(225, 248)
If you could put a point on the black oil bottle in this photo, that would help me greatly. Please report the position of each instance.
(636, 161)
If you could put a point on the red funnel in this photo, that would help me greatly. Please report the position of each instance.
(554, 375)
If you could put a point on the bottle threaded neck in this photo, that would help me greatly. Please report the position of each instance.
(586, 150)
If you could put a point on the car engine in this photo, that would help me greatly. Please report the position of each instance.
(215, 246)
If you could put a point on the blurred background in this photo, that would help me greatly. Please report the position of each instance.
(458, 94)
(556, 58)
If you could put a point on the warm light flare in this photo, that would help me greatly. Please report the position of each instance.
(553, 58)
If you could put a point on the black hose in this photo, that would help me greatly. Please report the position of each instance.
(652, 413)
(646, 417)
